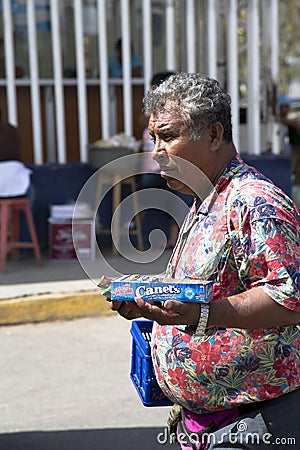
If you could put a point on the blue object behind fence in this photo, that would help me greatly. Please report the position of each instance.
(275, 167)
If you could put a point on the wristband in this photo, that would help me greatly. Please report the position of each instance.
(203, 319)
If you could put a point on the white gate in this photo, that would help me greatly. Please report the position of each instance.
(61, 43)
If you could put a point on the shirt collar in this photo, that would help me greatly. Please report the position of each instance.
(231, 169)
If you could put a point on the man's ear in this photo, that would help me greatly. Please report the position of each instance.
(216, 132)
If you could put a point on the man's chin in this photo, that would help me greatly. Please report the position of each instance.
(174, 184)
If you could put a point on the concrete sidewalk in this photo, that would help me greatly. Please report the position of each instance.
(60, 290)
(66, 386)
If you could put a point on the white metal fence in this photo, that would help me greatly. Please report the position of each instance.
(63, 43)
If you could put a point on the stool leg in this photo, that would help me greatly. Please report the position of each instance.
(3, 236)
(15, 229)
(33, 235)
(15, 224)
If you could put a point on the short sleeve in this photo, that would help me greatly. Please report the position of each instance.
(265, 238)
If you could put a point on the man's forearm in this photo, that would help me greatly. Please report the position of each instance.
(250, 309)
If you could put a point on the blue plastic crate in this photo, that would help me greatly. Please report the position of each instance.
(142, 373)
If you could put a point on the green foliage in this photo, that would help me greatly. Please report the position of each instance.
(289, 43)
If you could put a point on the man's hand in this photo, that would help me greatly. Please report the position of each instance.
(171, 313)
(127, 309)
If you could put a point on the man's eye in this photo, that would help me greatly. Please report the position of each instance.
(168, 137)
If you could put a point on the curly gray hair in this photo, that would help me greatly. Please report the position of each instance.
(202, 101)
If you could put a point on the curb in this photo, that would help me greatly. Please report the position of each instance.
(44, 308)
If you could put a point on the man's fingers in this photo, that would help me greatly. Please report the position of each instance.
(171, 313)
(157, 313)
(116, 305)
(128, 310)
(181, 308)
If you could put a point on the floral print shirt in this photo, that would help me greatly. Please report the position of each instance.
(246, 234)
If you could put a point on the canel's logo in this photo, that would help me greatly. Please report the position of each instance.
(189, 293)
(162, 290)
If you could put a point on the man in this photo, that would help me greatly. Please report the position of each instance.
(116, 66)
(233, 366)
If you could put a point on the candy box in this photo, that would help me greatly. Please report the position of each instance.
(159, 289)
(142, 373)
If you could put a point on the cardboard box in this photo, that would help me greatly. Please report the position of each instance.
(61, 243)
(160, 289)
(66, 211)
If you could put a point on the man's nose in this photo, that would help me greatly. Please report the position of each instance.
(159, 153)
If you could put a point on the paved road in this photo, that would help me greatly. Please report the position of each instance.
(65, 386)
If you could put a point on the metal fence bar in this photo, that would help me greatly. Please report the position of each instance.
(34, 84)
(253, 113)
(58, 83)
(126, 60)
(10, 63)
(103, 58)
(81, 81)
(273, 29)
(190, 36)
(147, 43)
(232, 67)
(170, 36)
(211, 49)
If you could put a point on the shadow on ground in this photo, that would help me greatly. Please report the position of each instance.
(107, 439)
(26, 270)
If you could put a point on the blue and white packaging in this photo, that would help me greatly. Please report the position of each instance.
(158, 289)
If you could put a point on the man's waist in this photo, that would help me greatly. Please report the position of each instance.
(247, 408)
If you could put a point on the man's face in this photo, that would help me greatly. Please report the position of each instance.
(172, 138)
